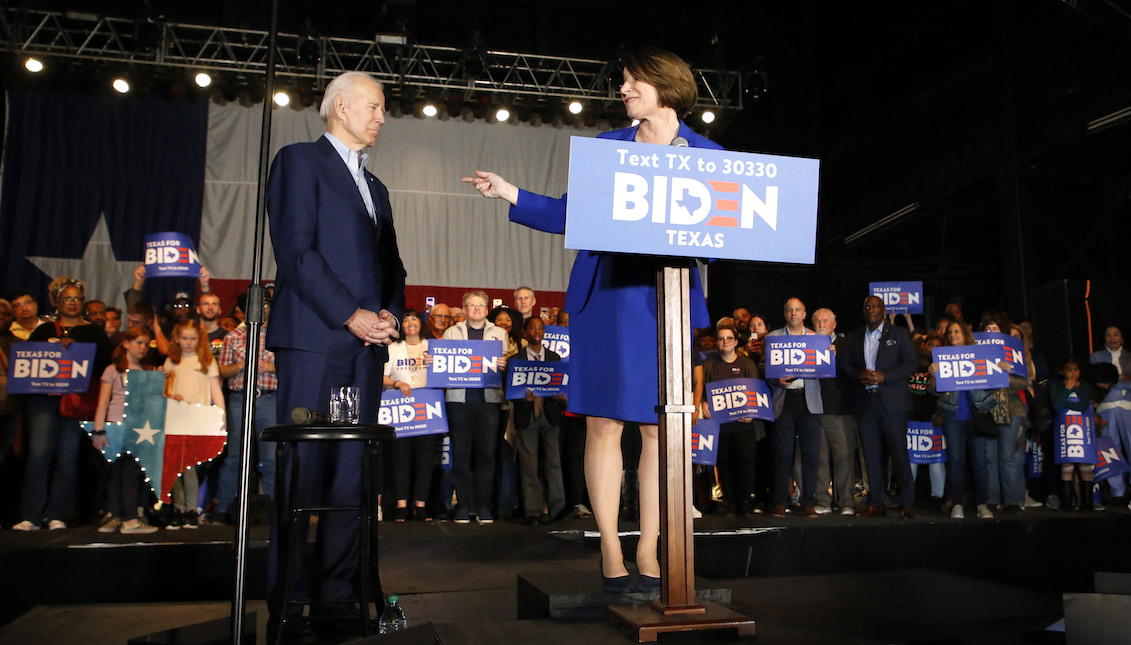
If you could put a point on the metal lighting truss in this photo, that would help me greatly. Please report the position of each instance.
(396, 60)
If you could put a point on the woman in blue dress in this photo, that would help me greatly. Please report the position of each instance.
(611, 299)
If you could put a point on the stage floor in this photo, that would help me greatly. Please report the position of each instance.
(829, 580)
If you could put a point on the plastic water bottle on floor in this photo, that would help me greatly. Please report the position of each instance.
(392, 618)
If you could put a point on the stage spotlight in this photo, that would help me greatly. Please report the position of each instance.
(502, 115)
(121, 85)
(430, 110)
(33, 65)
(282, 99)
(575, 107)
(708, 116)
(203, 79)
(756, 84)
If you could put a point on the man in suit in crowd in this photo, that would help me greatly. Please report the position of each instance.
(338, 297)
(1114, 353)
(879, 358)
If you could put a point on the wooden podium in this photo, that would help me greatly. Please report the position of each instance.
(677, 609)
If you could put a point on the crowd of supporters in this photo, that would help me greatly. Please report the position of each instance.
(836, 445)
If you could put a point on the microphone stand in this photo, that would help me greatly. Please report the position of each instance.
(254, 321)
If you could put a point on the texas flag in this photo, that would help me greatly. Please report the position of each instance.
(165, 436)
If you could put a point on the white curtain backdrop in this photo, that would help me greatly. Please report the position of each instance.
(448, 234)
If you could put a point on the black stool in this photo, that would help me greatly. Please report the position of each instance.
(287, 515)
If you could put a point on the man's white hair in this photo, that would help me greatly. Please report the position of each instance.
(343, 86)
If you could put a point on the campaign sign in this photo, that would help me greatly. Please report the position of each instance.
(50, 368)
(1075, 437)
(800, 356)
(170, 254)
(693, 202)
(925, 443)
(446, 453)
(899, 297)
(969, 367)
(1109, 463)
(544, 378)
(705, 442)
(419, 413)
(739, 398)
(1034, 457)
(465, 363)
(556, 339)
(1014, 350)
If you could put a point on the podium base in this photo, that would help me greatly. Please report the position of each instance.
(649, 622)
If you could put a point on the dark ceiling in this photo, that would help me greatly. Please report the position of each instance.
(975, 110)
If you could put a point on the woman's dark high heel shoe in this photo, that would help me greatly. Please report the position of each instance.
(648, 584)
(620, 584)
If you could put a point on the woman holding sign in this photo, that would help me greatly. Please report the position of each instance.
(407, 370)
(53, 439)
(614, 368)
(737, 439)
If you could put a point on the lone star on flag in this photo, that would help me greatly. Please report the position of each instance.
(146, 433)
(99, 267)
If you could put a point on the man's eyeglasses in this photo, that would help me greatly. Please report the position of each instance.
(71, 299)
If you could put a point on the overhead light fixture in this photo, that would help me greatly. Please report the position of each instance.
(502, 115)
(121, 85)
(575, 107)
(883, 223)
(1115, 118)
(708, 116)
(430, 110)
(33, 65)
(282, 99)
(203, 79)
(391, 39)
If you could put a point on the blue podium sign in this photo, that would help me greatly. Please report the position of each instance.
(899, 297)
(691, 202)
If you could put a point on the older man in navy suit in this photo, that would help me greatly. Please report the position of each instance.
(339, 292)
(879, 358)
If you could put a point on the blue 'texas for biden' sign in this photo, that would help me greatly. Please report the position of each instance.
(170, 254)
(421, 412)
(694, 202)
(1014, 352)
(899, 297)
(808, 356)
(50, 368)
(556, 339)
(969, 367)
(464, 363)
(739, 398)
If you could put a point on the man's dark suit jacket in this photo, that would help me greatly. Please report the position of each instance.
(332, 258)
(895, 358)
(551, 407)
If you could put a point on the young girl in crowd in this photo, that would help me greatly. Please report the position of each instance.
(1073, 394)
(125, 473)
(192, 376)
(407, 370)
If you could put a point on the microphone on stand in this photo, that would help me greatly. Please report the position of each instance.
(680, 142)
(303, 416)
